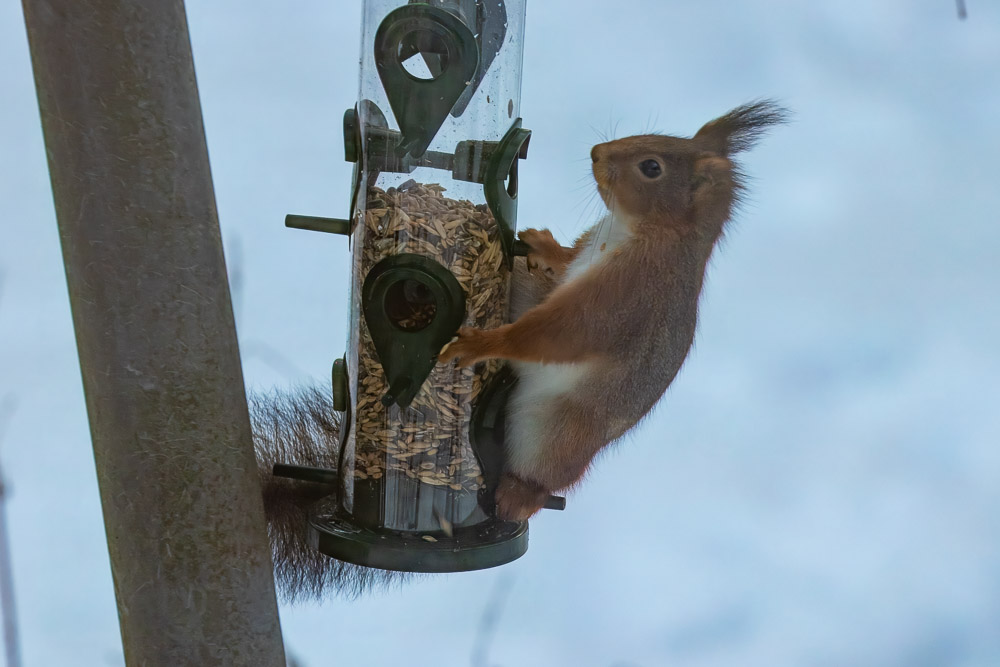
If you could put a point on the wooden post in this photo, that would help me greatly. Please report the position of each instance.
(155, 333)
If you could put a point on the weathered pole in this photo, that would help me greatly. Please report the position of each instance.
(155, 333)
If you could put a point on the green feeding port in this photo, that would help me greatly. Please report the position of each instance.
(412, 307)
(436, 138)
(451, 56)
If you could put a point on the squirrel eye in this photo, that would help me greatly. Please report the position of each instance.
(650, 168)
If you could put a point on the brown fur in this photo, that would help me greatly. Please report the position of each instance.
(632, 316)
(301, 427)
(547, 255)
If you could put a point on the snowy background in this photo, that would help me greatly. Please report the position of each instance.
(821, 485)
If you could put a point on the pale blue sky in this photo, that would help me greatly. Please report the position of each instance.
(821, 485)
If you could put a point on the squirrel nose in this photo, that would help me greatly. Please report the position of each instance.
(594, 154)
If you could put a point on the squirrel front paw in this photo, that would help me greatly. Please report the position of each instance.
(468, 347)
(517, 500)
(544, 250)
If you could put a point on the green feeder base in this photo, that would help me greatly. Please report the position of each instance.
(479, 547)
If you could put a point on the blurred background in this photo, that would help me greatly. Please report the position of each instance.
(821, 484)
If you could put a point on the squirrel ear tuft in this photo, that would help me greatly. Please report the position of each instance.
(740, 129)
(708, 170)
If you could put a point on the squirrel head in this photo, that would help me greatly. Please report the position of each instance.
(688, 185)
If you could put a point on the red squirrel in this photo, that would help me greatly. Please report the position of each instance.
(599, 350)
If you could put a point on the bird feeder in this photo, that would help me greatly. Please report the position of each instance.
(435, 138)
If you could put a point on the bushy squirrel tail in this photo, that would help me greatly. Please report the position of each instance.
(300, 427)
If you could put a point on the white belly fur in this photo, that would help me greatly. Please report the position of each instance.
(539, 385)
(530, 407)
(609, 233)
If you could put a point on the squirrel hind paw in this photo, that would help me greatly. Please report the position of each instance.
(518, 500)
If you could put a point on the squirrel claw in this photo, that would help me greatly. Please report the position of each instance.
(518, 500)
(536, 237)
(535, 262)
(541, 245)
(464, 348)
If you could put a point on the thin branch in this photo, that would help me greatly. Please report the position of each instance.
(490, 619)
(12, 650)
(250, 348)
(8, 405)
(271, 357)
(234, 264)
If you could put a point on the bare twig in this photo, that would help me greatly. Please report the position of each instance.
(490, 619)
(270, 356)
(8, 405)
(12, 650)
(250, 348)
(234, 267)
(962, 14)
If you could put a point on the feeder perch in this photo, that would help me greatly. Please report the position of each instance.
(435, 139)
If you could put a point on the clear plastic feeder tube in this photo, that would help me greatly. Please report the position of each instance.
(437, 142)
